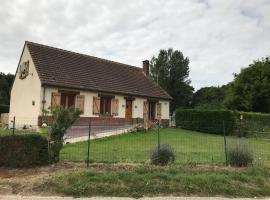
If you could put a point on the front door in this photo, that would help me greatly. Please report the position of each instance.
(128, 110)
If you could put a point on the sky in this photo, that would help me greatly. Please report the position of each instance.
(218, 36)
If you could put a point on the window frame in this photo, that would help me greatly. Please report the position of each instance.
(105, 105)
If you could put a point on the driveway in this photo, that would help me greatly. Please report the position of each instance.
(118, 198)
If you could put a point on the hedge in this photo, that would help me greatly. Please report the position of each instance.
(23, 150)
(209, 121)
(4, 108)
(255, 123)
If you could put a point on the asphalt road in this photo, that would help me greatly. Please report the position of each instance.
(118, 198)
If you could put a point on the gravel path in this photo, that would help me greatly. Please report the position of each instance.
(118, 198)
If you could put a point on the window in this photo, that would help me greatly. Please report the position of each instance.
(67, 100)
(105, 105)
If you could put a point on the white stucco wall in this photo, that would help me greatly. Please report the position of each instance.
(165, 109)
(137, 107)
(121, 106)
(88, 103)
(48, 95)
(137, 104)
(23, 93)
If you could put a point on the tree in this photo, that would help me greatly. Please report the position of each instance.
(171, 71)
(250, 90)
(209, 97)
(5, 87)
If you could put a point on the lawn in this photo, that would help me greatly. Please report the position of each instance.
(147, 180)
(190, 147)
(4, 131)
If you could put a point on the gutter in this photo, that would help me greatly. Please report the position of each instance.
(43, 100)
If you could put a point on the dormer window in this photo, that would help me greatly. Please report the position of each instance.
(24, 70)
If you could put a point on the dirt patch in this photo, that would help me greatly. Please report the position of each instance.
(23, 180)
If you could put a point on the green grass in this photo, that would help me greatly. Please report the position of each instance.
(190, 147)
(148, 180)
(10, 131)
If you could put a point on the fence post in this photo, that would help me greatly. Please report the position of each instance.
(158, 138)
(225, 143)
(13, 128)
(88, 150)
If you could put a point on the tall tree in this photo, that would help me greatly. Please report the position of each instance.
(171, 71)
(250, 90)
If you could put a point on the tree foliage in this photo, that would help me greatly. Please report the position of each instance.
(209, 98)
(5, 87)
(250, 90)
(171, 71)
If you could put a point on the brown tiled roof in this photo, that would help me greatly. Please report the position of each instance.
(58, 67)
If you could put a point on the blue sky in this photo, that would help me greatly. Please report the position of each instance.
(219, 36)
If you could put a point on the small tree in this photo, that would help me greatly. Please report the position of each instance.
(62, 119)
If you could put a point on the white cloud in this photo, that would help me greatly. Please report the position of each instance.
(219, 37)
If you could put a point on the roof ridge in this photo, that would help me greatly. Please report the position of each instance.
(85, 55)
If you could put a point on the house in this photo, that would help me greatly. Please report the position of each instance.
(48, 76)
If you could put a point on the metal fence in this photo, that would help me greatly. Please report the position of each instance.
(107, 142)
(134, 144)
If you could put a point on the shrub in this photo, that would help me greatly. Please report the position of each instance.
(240, 154)
(23, 150)
(209, 121)
(162, 156)
(4, 108)
(62, 119)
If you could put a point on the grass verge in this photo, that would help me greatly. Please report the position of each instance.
(146, 180)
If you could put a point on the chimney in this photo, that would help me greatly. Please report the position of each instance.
(146, 67)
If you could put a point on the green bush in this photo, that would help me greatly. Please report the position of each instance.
(62, 119)
(209, 121)
(162, 156)
(240, 154)
(4, 108)
(23, 150)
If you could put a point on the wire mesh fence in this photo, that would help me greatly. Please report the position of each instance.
(107, 141)
(136, 144)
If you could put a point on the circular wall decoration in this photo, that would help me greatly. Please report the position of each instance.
(24, 70)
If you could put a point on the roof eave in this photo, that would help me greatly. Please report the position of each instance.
(44, 84)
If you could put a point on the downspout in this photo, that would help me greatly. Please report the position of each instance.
(43, 106)
(43, 100)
